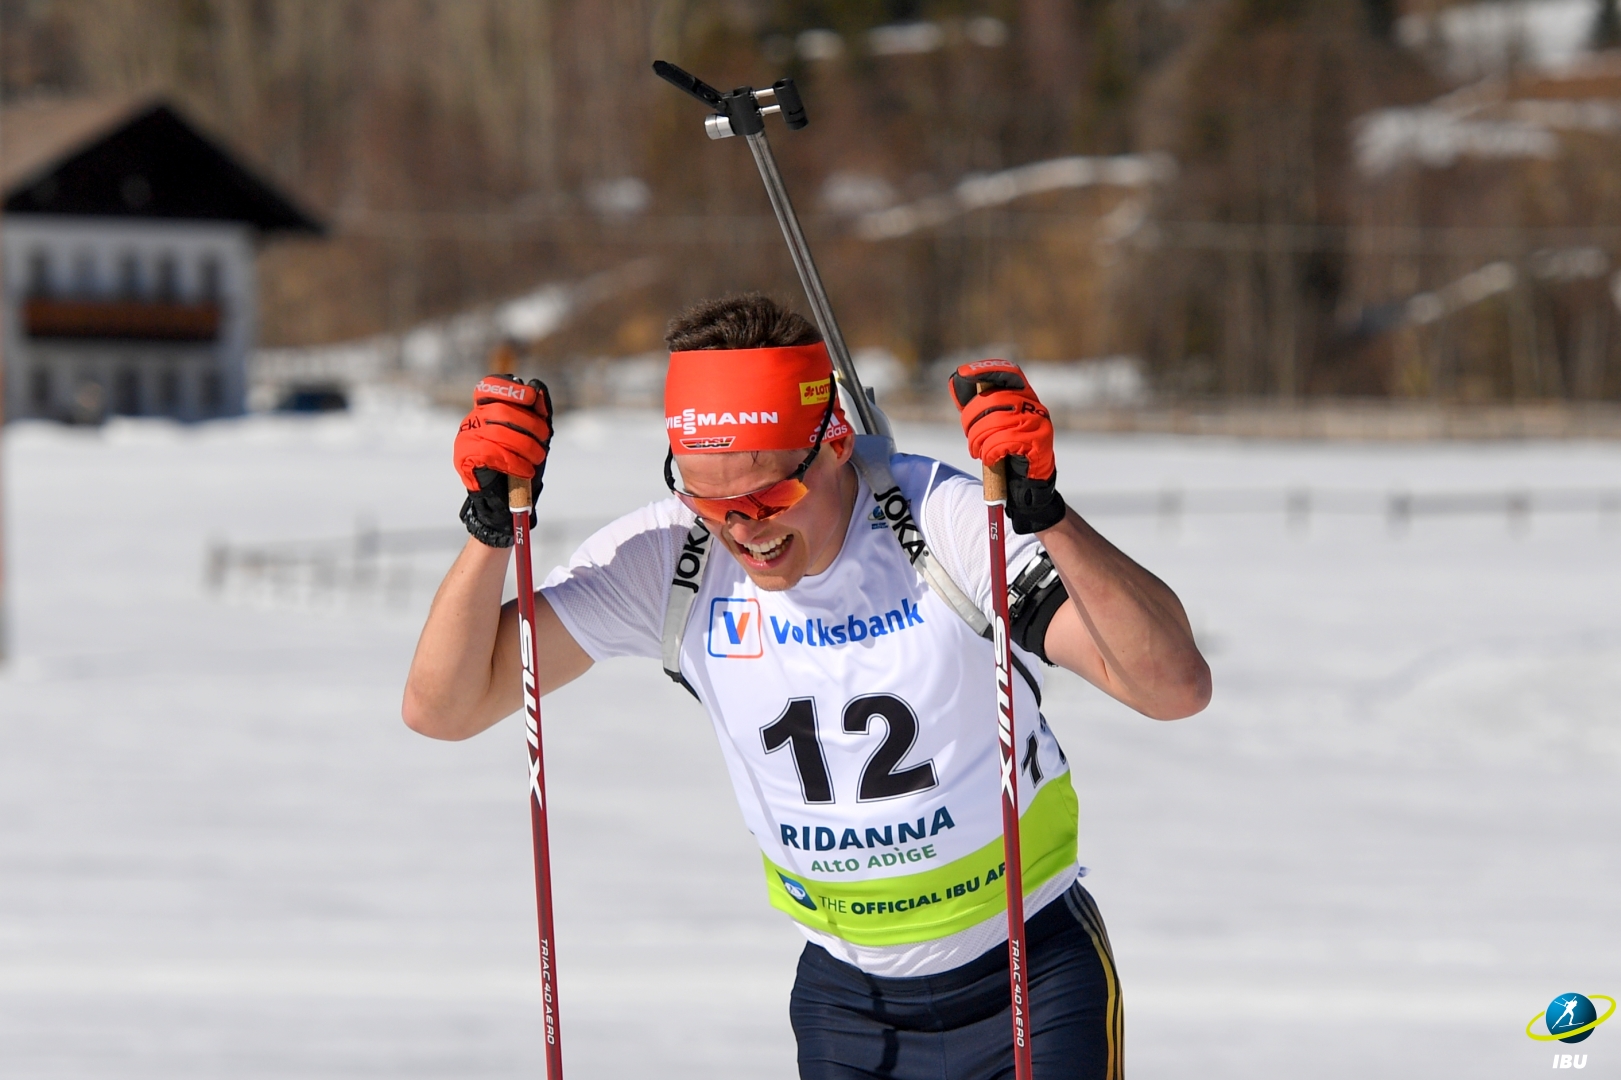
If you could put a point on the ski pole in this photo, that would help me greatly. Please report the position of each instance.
(740, 113)
(519, 502)
(995, 479)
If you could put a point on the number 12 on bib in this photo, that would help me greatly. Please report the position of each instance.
(995, 479)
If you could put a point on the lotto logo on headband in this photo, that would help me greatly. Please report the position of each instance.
(814, 393)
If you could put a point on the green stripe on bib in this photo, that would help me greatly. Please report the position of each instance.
(935, 903)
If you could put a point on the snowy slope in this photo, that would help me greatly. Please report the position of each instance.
(1387, 843)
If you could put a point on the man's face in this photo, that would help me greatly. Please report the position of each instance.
(805, 538)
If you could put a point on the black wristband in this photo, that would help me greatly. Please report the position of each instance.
(486, 513)
(1032, 505)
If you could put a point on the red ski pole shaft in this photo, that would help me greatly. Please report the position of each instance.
(520, 501)
(1018, 958)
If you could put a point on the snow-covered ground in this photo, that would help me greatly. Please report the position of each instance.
(1387, 844)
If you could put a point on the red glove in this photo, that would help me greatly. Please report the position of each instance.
(509, 429)
(1004, 420)
(508, 433)
(1005, 417)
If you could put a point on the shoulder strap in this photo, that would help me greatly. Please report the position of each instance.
(872, 461)
(689, 578)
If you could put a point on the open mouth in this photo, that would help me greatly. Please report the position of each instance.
(761, 556)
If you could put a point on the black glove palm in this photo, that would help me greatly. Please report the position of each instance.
(485, 512)
(1032, 505)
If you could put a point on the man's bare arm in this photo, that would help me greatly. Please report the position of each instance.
(1122, 629)
(464, 677)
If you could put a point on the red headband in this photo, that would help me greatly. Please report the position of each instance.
(729, 400)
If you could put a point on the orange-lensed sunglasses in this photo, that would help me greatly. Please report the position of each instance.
(761, 503)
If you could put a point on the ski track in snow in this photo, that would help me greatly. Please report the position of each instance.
(1387, 843)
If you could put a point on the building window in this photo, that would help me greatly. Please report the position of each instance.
(129, 275)
(39, 273)
(127, 392)
(84, 273)
(168, 283)
(210, 279)
(168, 390)
(213, 391)
(89, 402)
(39, 390)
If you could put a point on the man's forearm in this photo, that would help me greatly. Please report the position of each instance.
(450, 692)
(1123, 628)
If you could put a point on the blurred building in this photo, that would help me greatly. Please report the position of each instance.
(128, 245)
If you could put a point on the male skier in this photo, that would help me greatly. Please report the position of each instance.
(853, 703)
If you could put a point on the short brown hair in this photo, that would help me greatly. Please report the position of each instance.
(739, 321)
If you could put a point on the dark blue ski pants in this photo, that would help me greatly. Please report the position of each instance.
(957, 1025)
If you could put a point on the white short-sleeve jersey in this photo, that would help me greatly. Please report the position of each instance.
(856, 713)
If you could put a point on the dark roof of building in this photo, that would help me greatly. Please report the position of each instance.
(131, 157)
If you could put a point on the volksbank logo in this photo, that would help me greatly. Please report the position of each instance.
(853, 628)
(734, 628)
